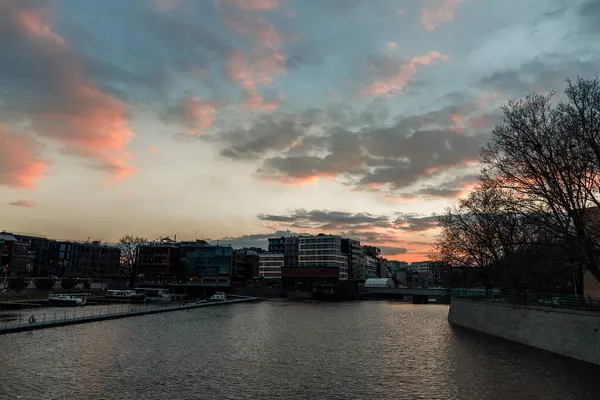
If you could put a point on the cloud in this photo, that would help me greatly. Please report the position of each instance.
(193, 113)
(401, 74)
(23, 203)
(589, 13)
(328, 220)
(258, 4)
(264, 61)
(45, 83)
(392, 251)
(253, 240)
(416, 223)
(20, 166)
(439, 11)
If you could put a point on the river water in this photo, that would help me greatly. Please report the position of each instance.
(285, 350)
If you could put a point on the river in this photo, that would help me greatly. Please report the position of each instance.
(285, 350)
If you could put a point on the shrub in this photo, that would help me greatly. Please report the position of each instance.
(87, 285)
(18, 284)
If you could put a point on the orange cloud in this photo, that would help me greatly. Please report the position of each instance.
(254, 101)
(439, 11)
(19, 167)
(404, 75)
(153, 150)
(72, 110)
(200, 113)
(23, 203)
(264, 61)
(258, 4)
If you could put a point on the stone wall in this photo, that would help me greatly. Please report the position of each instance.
(571, 333)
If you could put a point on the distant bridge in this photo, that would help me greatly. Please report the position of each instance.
(419, 295)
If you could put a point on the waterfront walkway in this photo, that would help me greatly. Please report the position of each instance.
(81, 315)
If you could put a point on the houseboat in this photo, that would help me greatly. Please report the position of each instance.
(125, 295)
(67, 300)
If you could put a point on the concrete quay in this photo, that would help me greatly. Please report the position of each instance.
(66, 320)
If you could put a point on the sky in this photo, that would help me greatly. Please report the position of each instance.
(239, 120)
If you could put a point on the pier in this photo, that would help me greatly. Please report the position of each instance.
(114, 312)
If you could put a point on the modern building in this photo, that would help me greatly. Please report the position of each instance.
(351, 248)
(160, 260)
(270, 265)
(38, 252)
(288, 246)
(428, 273)
(15, 255)
(246, 264)
(277, 245)
(83, 259)
(208, 264)
(371, 267)
(323, 251)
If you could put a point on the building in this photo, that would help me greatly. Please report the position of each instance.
(370, 267)
(429, 273)
(15, 255)
(288, 246)
(270, 265)
(351, 248)
(38, 252)
(160, 260)
(246, 264)
(290, 251)
(323, 251)
(209, 264)
(277, 245)
(83, 259)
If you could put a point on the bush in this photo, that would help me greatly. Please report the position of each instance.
(18, 284)
(87, 285)
(44, 284)
(68, 283)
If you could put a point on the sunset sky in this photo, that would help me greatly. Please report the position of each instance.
(243, 119)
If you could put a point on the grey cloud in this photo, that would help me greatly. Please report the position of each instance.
(451, 188)
(392, 251)
(416, 223)
(328, 220)
(589, 12)
(253, 240)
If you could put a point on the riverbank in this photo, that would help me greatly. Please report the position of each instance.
(568, 332)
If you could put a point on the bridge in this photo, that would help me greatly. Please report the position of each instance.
(418, 295)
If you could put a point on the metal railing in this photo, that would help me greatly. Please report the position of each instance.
(41, 317)
(553, 300)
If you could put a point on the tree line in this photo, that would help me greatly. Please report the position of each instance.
(532, 221)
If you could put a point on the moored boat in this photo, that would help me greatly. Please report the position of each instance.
(218, 296)
(127, 295)
(67, 300)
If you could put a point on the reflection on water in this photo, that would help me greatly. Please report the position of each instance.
(281, 350)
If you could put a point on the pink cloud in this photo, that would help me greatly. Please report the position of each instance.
(71, 110)
(200, 115)
(19, 166)
(258, 4)
(439, 11)
(254, 101)
(23, 203)
(404, 74)
(153, 150)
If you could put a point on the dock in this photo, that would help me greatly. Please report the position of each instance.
(22, 326)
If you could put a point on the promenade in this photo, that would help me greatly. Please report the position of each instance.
(81, 315)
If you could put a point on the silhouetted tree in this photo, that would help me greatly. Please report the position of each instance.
(18, 284)
(68, 283)
(548, 156)
(128, 245)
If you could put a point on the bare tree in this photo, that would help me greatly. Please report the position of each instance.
(128, 245)
(483, 231)
(548, 156)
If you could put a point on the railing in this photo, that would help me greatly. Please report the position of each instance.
(553, 300)
(82, 314)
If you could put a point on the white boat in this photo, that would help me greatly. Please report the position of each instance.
(128, 295)
(156, 295)
(218, 296)
(67, 300)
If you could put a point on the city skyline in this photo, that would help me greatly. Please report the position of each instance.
(247, 119)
